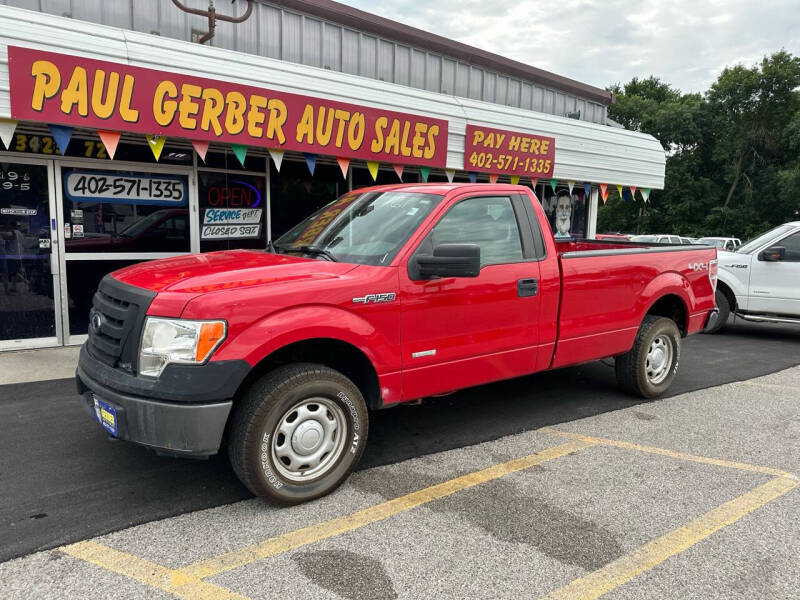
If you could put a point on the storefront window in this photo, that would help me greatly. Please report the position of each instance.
(26, 283)
(83, 277)
(232, 211)
(226, 159)
(295, 194)
(566, 212)
(120, 211)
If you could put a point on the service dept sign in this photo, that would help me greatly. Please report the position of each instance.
(231, 223)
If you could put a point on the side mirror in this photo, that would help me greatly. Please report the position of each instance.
(450, 260)
(773, 253)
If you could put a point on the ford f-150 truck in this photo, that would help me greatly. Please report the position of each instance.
(387, 295)
(760, 281)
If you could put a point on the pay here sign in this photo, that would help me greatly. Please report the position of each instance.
(504, 152)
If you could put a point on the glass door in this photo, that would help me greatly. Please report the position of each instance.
(29, 307)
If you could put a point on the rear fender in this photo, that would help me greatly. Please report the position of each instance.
(666, 284)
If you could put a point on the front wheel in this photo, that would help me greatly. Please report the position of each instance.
(648, 369)
(298, 433)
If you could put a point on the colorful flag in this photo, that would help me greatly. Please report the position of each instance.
(240, 151)
(7, 127)
(425, 172)
(110, 140)
(201, 147)
(62, 134)
(277, 158)
(156, 143)
(311, 161)
(344, 164)
(372, 167)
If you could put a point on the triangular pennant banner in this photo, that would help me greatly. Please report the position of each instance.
(201, 147)
(633, 192)
(570, 184)
(277, 158)
(619, 191)
(425, 172)
(553, 183)
(514, 179)
(645, 192)
(311, 161)
(372, 167)
(604, 192)
(344, 164)
(110, 140)
(7, 127)
(473, 177)
(587, 190)
(450, 174)
(62, 134)
(399, 170)
(493, 178)
(240, 152)
(156, 143)
(534, 182)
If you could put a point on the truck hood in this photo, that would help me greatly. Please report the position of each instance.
(201, 273)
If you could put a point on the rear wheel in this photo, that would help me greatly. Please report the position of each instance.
(298, 433)
(724, 307)
(651, 365)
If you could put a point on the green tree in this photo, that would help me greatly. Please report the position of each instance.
(733, 153)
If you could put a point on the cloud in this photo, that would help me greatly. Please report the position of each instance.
(684, 42)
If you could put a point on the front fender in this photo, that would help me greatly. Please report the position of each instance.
(313, 321)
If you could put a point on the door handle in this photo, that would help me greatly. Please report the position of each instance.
(527, 287)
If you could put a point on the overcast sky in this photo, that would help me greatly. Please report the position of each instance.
(685, 43)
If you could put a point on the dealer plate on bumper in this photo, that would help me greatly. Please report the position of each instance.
(106, 415)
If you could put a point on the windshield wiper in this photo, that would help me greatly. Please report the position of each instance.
(317, 251)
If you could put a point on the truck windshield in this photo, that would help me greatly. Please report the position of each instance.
(365, 228)
(759, 241)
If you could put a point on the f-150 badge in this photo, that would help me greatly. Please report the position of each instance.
(387, 297)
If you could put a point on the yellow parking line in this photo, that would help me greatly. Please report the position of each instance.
(670, 453)
(144, 571)
(624, 569)
(314, 533)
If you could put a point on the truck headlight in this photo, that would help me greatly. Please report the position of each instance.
(166, 341)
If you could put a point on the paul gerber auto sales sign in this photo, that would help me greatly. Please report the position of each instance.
(81, 92)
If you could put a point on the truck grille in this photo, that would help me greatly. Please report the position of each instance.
(115, 322)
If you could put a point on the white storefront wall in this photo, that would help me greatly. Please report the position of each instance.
(585, 152)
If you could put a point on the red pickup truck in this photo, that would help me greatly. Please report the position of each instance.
(389, 294)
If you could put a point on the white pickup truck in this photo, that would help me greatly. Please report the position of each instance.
(760, 281)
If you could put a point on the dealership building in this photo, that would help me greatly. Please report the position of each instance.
(124, 139)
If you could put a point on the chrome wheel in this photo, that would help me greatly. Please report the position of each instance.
(659, 359)
(309, 439)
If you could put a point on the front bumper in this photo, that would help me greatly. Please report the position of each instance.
(183, 412)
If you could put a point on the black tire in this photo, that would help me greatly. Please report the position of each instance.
(632, 369)
(724, 308)
(254, 439)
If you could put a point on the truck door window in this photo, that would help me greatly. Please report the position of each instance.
(792, 245)
(487, 221)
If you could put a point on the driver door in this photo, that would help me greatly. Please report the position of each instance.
(775, 285)
(459, 331)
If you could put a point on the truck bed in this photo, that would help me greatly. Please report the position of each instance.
(604, 282)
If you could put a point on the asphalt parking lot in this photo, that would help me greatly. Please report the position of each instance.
(690, 496)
